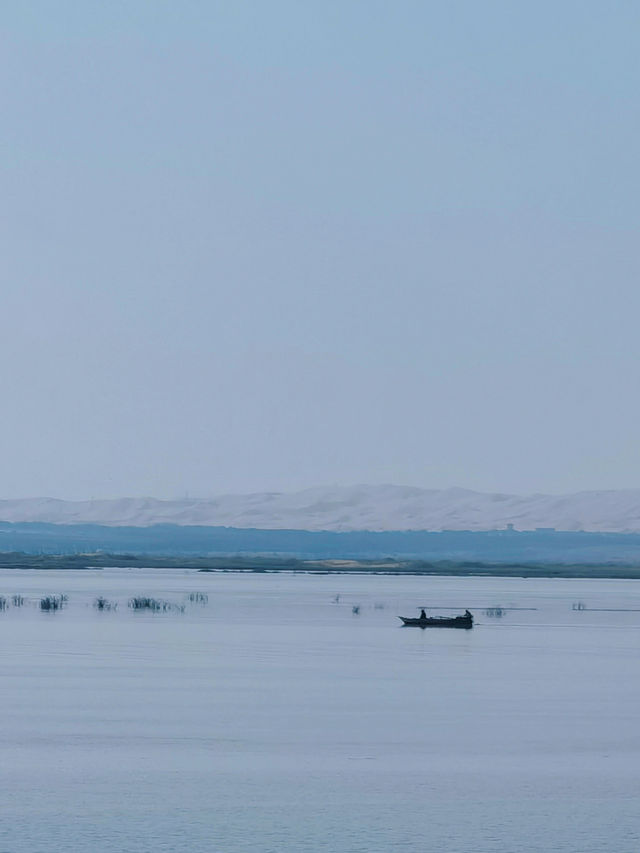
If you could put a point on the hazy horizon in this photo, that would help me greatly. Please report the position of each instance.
(254, 247)
(189, 496)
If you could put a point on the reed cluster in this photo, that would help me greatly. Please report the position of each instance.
(198, 598)
(102, 603)
(53, 602)
(156, 605)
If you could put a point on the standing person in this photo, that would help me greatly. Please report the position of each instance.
(423, 615)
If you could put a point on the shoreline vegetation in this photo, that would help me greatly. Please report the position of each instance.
(273, 564)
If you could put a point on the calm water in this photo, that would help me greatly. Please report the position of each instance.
(274, 719)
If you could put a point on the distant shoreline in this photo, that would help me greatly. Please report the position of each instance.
(274, 565)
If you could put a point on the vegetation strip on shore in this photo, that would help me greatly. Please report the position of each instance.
(271, 563)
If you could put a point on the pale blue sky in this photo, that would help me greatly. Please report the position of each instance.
(266, 245)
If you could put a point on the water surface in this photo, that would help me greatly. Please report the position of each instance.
(274, 719)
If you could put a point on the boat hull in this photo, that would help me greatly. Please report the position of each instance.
(439, 622)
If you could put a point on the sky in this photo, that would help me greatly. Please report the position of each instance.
(252, 246)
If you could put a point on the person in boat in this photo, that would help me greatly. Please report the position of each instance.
(467, 614)
(423, 615)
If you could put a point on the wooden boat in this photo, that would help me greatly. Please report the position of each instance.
(465, 621)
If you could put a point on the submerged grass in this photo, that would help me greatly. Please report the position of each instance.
(198, 598)
(102, 603)
(156, 605)
(53, 602)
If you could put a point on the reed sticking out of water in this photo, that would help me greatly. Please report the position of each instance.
(3, 602)
(156, 605)
(102, 603)
(53, 602)
(17, 600)
(198, 598)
